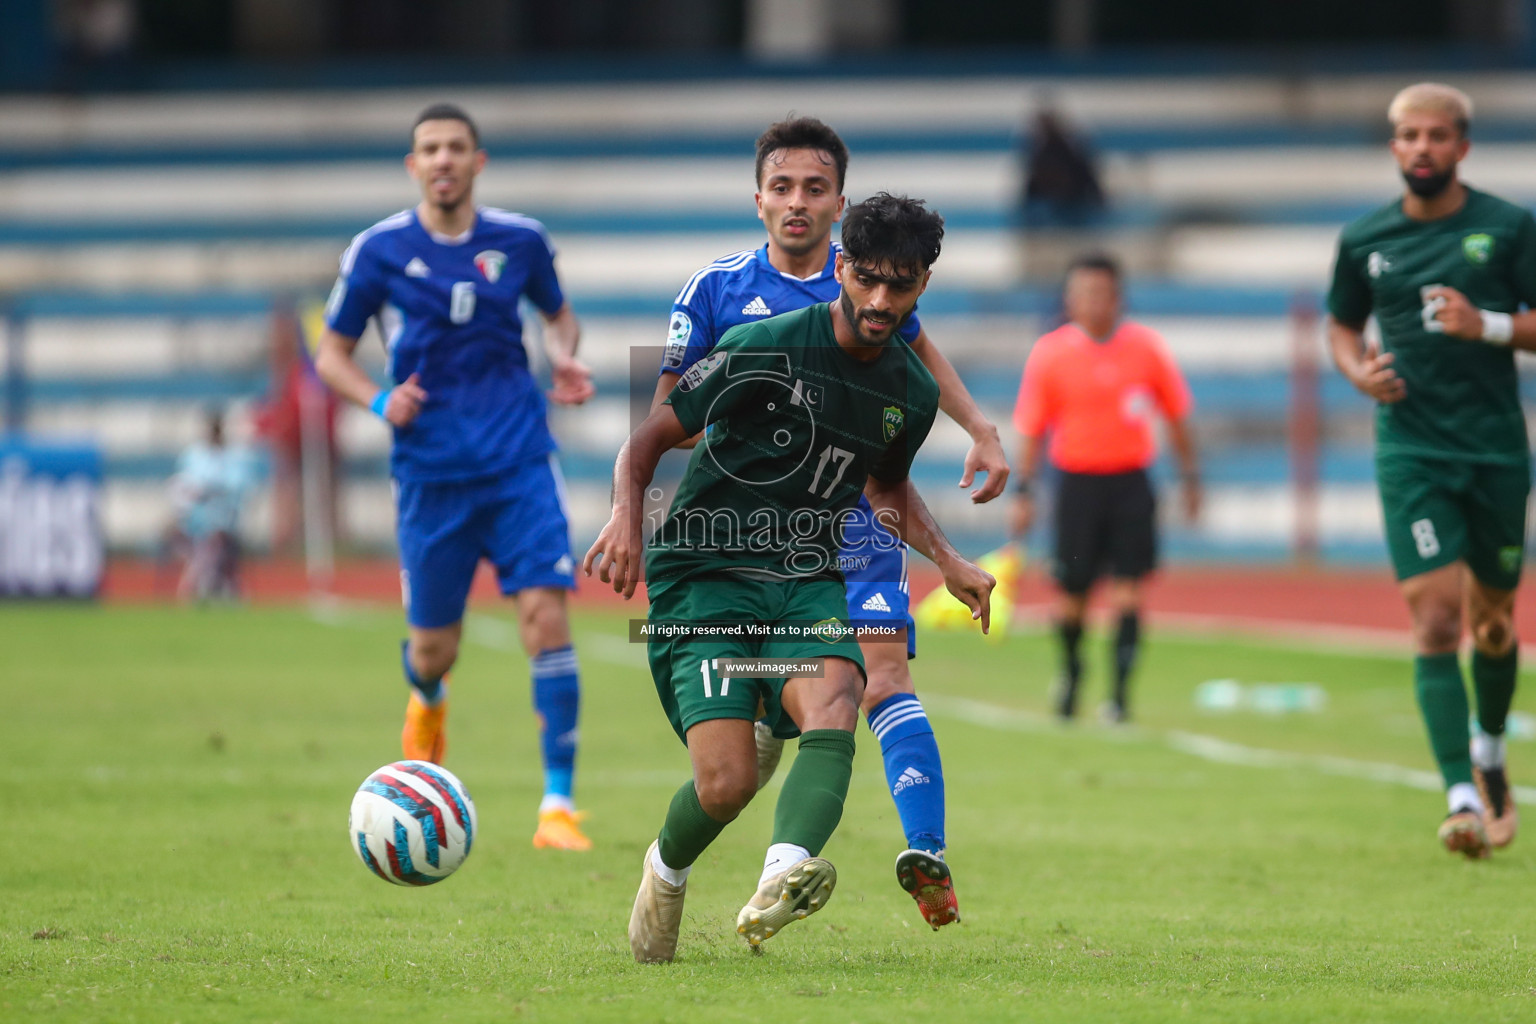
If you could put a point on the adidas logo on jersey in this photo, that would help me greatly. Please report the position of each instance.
(416, 268)
(757, 307)
(877, 603)
(909, 777)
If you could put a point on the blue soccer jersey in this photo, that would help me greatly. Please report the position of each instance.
(448, 311)
(739, 289)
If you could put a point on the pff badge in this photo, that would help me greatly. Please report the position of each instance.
(1478, 249)
(701, 369)
(892, 421)
(679, 330)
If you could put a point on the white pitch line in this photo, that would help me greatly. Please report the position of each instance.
(1207, 748)
(1289, 634)
(499, 635)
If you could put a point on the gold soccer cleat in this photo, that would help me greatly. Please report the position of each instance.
(1500, 819)
(798, 893)
(657, 917)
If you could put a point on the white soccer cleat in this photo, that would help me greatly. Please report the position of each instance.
(1462, 832)
(769, 750)
(783, 899)
(657, 916)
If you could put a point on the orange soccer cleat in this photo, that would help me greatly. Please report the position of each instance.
(425, 736)
(560, 829)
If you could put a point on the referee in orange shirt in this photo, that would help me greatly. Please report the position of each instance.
(1093, 384)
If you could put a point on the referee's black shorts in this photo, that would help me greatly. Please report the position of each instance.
(1104, 521)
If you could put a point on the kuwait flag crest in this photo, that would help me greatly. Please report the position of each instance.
(490, 263)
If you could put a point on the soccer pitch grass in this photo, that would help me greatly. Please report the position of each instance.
(177, 781)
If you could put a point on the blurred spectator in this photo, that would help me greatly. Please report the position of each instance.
(280, 423)
(1061, 181)
(97, 38)
(208, 491)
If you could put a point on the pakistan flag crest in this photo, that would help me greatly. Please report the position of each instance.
(1477, 248)
(893, 420)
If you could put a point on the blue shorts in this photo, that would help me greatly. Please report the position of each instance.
(874, 561)
(515, 520)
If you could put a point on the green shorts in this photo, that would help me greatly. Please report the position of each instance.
(687, 680)
(1439, 511)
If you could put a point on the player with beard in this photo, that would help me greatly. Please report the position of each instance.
(806, 412)
(1446, 270)
(800, 167)
(472, 459)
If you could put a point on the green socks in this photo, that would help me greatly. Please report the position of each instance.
(1493, 679)
(1443, 702)
(811, 802)
(687, 830)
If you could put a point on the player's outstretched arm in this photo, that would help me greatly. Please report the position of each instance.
(899, 507)
(618, 552)
(335, 365)
(572, 379)
(1369, 371)
(986, 454)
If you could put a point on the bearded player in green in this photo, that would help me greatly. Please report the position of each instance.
(1446, 270)
(805, 411)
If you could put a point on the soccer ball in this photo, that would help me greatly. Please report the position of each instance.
(412, 823)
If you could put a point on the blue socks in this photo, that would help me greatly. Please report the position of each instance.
(557, 701)
(912, 769)
(429, 690)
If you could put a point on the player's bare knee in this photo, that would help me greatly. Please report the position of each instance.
(543, 624)
(1437, 628)
(432, 656)
(725, 791)
(1494, 634)
(836, 710)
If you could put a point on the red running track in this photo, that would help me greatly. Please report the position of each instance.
(1277, 596)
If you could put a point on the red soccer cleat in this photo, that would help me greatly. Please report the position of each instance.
(926, 877)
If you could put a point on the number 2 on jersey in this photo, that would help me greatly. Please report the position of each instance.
(844, 459)
(461, 302)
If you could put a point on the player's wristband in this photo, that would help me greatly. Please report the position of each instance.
(380, 400)
(1498, 328)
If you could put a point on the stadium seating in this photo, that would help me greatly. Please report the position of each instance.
(144, 242)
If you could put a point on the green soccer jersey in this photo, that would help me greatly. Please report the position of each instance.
(1463, 400)
(796, 426)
